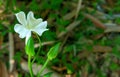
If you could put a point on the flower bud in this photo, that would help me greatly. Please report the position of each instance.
(30, 47)
(53, 51)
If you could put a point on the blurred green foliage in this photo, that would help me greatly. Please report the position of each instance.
(79, 40)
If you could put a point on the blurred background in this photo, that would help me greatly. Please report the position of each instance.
(89, 32)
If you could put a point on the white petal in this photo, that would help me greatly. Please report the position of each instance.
(21, 18)
(33, 21)
(27, 37)
(42, 25)
(39, 29)
(21, 30)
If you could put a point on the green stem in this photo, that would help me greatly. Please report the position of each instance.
(41, 70)
(30, 66)
(38, 49)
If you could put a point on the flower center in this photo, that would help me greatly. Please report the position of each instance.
(29, 26)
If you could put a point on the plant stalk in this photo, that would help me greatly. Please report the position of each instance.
(38, 49)
(41, 70)
(30, 66)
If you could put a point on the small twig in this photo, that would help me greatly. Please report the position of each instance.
(95, 21)
(4, 46)
(69, 28)
(3, 70)
(78, 8)
(70, 15)
(44, 43)
(11, 52)
(59, 69)
(63, 43)
(112, 29)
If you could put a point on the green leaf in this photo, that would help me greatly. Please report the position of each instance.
(48, 74)
(30, 47)
(70, 68)
(116, 52)
(53, 51)
(114, 66)
(17, 57)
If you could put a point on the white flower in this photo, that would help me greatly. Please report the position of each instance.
(29, 24)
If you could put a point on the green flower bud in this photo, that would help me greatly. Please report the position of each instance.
(29, 48)
(53, 51)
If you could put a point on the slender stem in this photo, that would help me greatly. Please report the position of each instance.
(38, 49)
(41, 70)
(30, 66)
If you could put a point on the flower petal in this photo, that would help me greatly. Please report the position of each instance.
(21, 18)
(39, 29)
(27, 37)
(22, 31)
(33, 21)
